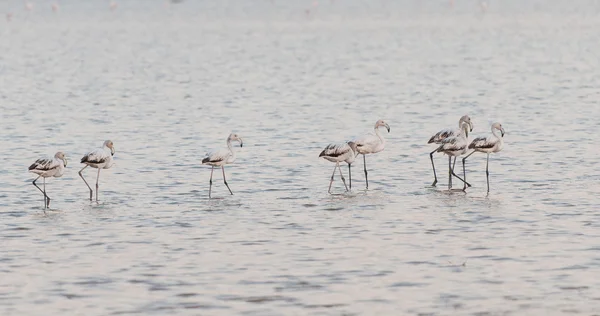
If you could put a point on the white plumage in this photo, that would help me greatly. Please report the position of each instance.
(46, 168)
(487, 144)
(450, 132)
(339, 153)
(491, 143)
(371, 144)
(220, 158)
(454, 146)
(101, 158)
(50, 167)
(443, 134)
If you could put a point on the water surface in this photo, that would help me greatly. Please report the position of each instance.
(168, 84)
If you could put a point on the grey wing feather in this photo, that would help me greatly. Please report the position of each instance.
(96, 156)
(482, 142)
(366, 140)
(451, 144)
(335, 150)
(216, 156)
(441, 135)
(43, 164)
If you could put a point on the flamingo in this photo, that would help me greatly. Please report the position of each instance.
(443, 134)
(371, 144)
(337, 153)
(488, 145)
(101, 158)
(453, 147)
(220, 158)
(46, 168)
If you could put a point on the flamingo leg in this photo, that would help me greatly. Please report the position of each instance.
(97, 186)
(449, 172)
(459, 178)
(350, 174)
(465, 172)
(453, 166)
(342, 175)
(46, 194)
(366, 173)
(81, 175)
(487, 172)
(43, 191)
(210, 181)
(225, 180)
(331, 181)
(433, 166)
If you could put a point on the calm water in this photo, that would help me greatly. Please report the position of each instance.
(168, 84)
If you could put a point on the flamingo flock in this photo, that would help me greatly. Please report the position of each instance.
(455, 143)
(451, 142)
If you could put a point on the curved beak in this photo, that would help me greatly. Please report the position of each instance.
(388, 127)
(65, 160)
(471, 126)
(502, 132)
(241, 142)
(112, 151)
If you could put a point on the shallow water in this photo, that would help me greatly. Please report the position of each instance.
(169, 84)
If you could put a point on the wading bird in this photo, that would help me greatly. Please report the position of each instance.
(46, 168)
(220, 158)
(443, 134)
(371, 144)
(337, 153)
(488, 145)
(101, 158)
(455, 146)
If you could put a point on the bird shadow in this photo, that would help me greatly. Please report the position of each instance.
(438, 189)
(48, 213)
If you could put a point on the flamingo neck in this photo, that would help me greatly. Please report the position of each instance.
(61, 167)
(494, 132)
(230, 147)
(464, 129)
(379, 135)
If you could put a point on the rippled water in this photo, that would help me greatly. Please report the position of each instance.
(167, 84)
